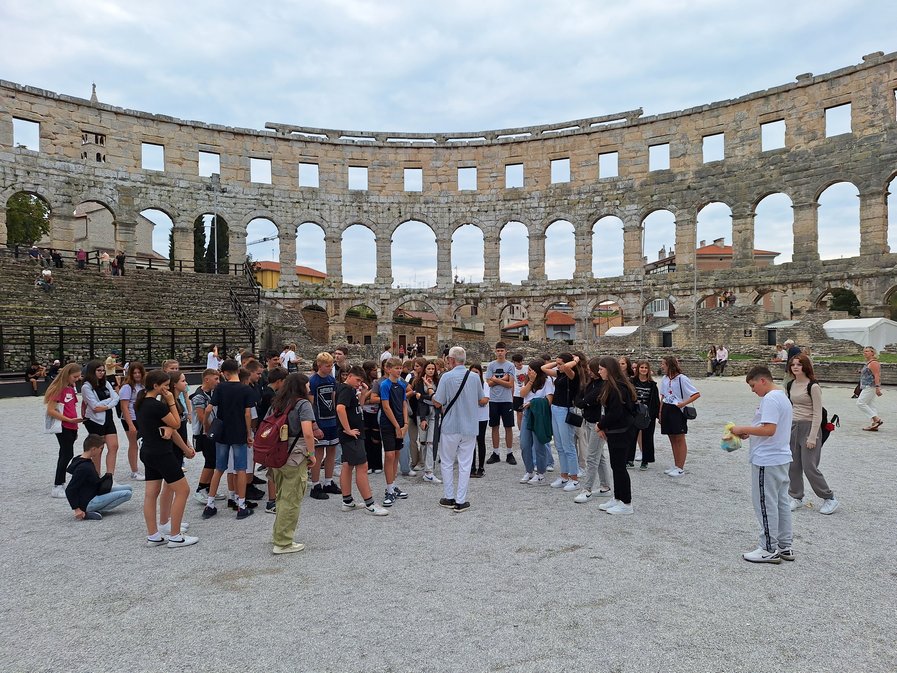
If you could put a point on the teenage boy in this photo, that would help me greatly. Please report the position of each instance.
(520, 372)
(341, 364)
(232, 403)
(276, 378)
(273, 363)
(351, 438)
(83, 488)
(393, 426)
(254, 380)
(501, 404)
(202, 419)
(770, 457)
(322, 395)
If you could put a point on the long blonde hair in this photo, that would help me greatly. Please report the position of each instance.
(61, 381)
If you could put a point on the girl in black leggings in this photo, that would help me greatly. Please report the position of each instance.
(479, 456)
(62, 405)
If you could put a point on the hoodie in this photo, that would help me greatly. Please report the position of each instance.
(84, 484)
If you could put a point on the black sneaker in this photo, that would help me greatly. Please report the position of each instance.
(462, 506)
(481, 472)
(209, 512)
(271, 508)
(244, 512)
(494, 458)
(643, 466)
(258, 481)
(389, 499)
(448, 503)
(232, 504)
(399, 493)
(475, 473)
(332, 488)
(253, 493)
(630, 464)
(318, 493)
(511, 460)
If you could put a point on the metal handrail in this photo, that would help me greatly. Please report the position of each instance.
(242, 316)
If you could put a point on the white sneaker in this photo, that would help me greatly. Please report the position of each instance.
(797, 504)
(571, 485)
(638, 455)
(550, 468)
(184, 541)
(431, 478)
(137, 476)
(526, 477)
(604, 506)
(670, 469)
(620, 508)
(410, 473)
(584, 496)
(537, 480)
(419, 468)
(288, 549)
(165, 528)
(560, 482)
(58, 491)
(603, 494)
(376, 510)
(760, 555)
(676, 472)
(202, 497)
(349, 506)
(829, 506)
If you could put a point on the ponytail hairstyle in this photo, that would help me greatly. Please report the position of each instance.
(153, 379)
(294, 388)
(616, 381)
(61, 381)
(582, 370)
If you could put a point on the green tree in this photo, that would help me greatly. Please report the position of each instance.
(27, 219)
(845, 300)
(171, 249)
(199, 245)
(223, 247)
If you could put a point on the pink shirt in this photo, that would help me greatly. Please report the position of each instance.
(68, 398)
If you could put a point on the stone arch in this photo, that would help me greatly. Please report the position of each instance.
(560, 317)
(317, 320)
(263, 239)
(824, 299)
(469, 318)
(890, 302)
(513, 320)
(659, 306)
(211, 229)
(605, 312)
(311, 245)
(30, 200)
(361, 324)
(414, 253)
(838, 220)
(464, 221)
(161, 232)
(560, 249)
(468, 262)
(659, 235)
(414, 321)
(97, 229)
(774, 225)
(774, 300)
(359, 253)
(513, 251)
(607, 255)
(260, 214)
(714, 222)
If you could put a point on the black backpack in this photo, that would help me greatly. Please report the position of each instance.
(825, 427)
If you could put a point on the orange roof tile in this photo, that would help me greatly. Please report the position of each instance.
(300, 270)
(559, 318)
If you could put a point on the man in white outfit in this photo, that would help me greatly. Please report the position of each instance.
(458, 396)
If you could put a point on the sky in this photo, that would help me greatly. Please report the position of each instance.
(438, 67)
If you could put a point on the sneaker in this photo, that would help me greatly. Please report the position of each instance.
(604, 493)
(550, 468)
(380, 471)
(156, 543)
(431, 478)
(253, 493)
(202, 497)
(676, 472)
(584, 496)
(494, 458)
(448, 503)
(318, 493)
(258, 481)
(181, 541)
(786, 554)
(376, 510)
(271, 508)
(389, 499)
(409, 473)
(643, 467)
(480, 472)
(829, 506)
(332, 488)
(537, 480)
(670, 469)
(630, 464)
(420, 467)
(350, 506)
(220, 496)
(93, 516)
(136, 476)
(244, 512)
(620, 508)
(760, 555)
(461, 507)
(638, 455)
(510, 459)
(526, 477)
(209, 512)
(604, 506)
(399, 493)
(288, 549)
(797, 504)
(571, 485)
(58, 491)
(165, 528)
(560, 482)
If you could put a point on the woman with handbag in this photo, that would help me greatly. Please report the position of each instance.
(61, 400)
(615, 426)
(99, 400)
(597, 464)
(676, 393)
(646, 390)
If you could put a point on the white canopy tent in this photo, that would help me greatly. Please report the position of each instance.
(621, 331)
(876, 332)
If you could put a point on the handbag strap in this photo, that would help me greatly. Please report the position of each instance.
(681, 392)
(457, 395)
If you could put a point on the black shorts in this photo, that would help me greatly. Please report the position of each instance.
(164, 465)
(354, 452)
(517, 403)
(672, 420)
(207, 447)
(389, 439)
(501, 412)
(106, 428)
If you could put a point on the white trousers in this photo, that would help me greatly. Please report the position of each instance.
(866, 401)
(456, 449)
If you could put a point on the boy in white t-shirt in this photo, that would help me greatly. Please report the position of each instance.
(770, 457)
(520, 373)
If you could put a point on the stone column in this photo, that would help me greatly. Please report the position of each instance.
(806, 232)
(126, 237)
(3, 234)
(633, 256)
(583, 252)
(384, 335)
(536, 324)
(443, 261)
(742, 238)
(287, 259)
(537, 256)
(183, 246)
(491, 257)
(491, 324)
(874, 222)
(236, 245)
(62, 228)
(686, 232)
(443, 335)
(333, 253)
(384, 262)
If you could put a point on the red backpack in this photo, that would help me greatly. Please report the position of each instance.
(271, 446)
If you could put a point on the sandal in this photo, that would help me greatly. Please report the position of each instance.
(871, 428)
(877, 424)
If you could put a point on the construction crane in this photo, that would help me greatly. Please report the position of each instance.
(263, 240)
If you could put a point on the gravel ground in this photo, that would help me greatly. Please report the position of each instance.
(524, 581)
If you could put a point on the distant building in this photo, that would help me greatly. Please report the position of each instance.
(711, 257)
(267, 274)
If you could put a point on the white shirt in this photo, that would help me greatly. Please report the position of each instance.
(775, 408)
(521, 376)
(676, 391)
(484, 410)
(287, 357)
(546, 390)
(722, 354)
(212, 361)
(385, 355)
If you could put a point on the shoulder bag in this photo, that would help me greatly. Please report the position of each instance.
(689, 411)
(53, 426)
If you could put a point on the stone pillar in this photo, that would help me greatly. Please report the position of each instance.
(337, 325)
(443, 335)
(236, 245)
(686, 232)
(62, 229)
(491, 325)
(633, 256)
(537, 256)
(384, 335)
(183, 246)
(743, 239)
(536, 324)
(287, 259)
(583, 252)
(874, 222)
(806, 232)
(3, 234)
(491, 257)
(443, 262)
(126, 237)
(333, 253)
(384, 262)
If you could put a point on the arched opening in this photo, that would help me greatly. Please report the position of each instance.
(469, 322)
(513, 253)
(27, 219)
(262, 241)
(774, 301)
(659, 307)
(891, 303)
(560, 321)
(468, 254)
(840, 299)
(359, 247)
(774, 227)
(659, 241)
(316, 322)
(211, 244)
(892, 215)
(310, 251)
(839, 221)
(607, 247)
(361, 325)
(714, 248)
(413, 255)
(156, 229)
(606, 314)
(514, 322)
(414, 328)
(713, 300)
(560, 250)
(95, 230)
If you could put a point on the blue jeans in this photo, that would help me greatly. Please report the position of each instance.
(115, 497)
(535, 453)
(564, 441)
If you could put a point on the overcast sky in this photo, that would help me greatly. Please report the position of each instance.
(459, 66)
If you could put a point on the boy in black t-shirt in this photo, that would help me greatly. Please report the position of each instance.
(351, 437)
